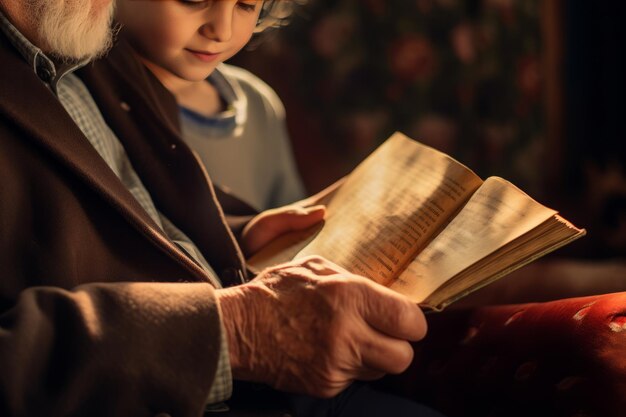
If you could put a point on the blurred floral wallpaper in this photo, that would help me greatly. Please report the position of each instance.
(434, 70)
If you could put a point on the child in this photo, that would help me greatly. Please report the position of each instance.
(230, 117)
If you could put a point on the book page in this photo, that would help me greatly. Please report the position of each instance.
(384, 212)
(390, 207)
(496, 214)
(550, 235)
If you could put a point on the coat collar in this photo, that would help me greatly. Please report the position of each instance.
(145, 116)
(28, 102)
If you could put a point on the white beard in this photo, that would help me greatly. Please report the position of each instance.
(72, 29)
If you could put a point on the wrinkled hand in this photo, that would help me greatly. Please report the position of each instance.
(311, 327)
(270, 224)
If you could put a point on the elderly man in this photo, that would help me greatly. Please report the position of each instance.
(114, 252)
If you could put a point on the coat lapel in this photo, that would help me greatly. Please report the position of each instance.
(26, 101)
(145, 117)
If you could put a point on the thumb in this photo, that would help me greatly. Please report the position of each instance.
(297, 219)
(272, 224)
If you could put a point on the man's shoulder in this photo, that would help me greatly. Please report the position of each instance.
(120, 75)
(119, 63)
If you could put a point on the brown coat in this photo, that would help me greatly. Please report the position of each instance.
(100, 314)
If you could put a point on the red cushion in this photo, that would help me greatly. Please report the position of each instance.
(559, 358)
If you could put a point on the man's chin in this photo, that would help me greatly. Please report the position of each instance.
(82, 54)
(74, 34)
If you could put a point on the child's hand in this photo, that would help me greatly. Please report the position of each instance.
(270, 224)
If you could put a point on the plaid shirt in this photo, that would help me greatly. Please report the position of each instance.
(79, 104)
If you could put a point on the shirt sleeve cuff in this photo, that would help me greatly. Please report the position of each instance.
(222, 387)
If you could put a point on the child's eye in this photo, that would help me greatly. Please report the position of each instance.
(192, 3)
(248, 7)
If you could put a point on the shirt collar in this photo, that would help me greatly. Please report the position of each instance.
(46, 69)
(231, 92)
(232, 119)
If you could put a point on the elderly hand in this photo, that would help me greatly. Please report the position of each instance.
(270, 224)
(311, 327)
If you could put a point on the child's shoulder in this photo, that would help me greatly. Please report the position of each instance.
(253, 87)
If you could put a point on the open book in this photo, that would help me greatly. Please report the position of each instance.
(417, 221)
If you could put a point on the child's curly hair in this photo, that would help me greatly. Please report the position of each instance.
(276, 13)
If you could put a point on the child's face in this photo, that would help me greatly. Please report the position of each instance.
(188, 38)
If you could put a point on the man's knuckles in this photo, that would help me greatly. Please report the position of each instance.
(412, 321)
(402, 360)
(329, 381)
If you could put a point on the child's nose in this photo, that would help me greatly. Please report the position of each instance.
(219, 19)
